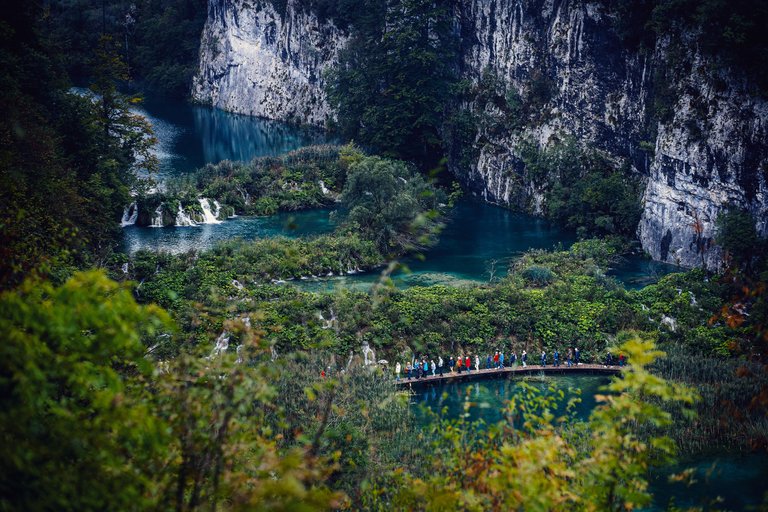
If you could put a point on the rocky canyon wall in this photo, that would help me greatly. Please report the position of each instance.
(709, 152)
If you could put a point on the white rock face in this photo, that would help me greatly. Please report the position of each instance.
(598, 92)
(714, 151)
(255, 61)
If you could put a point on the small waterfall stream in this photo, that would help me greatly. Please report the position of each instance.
(209, 217)
(157, 219)
(130, 214)
(182, 219)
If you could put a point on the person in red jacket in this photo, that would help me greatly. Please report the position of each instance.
(459, 363)
(496, 359)
(468, 363)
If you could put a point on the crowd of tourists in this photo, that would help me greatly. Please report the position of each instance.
(424, 366)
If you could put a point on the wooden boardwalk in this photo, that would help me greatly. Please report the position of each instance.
(531, 369)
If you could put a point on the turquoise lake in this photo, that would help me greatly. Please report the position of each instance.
(476, 245)
(739, 480)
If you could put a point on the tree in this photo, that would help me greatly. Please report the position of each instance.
(89, 422)
(389, 203)
(737, 235)
(76, 430)
(393, 79)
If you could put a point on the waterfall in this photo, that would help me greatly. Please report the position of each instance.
(157, 220)
(222, 343)
(130, 214)
(208, 216)
(182, 219)
(369, 355)
(323, 188)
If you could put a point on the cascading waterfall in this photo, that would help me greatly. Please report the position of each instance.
(157, 219)
(130, 214)
(222, 344)
(209, 217)
(369, 355)
(182, 219)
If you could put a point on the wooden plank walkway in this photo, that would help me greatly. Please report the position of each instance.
(531, 369)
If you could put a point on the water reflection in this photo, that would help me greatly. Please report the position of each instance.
(190, 136)
(226, 136)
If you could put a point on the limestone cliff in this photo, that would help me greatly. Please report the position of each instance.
(256, 61)
(709, 152)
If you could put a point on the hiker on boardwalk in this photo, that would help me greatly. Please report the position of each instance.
(440, 365)
(452, 364)
(433, 366)
(621, 359)
(569, 360)
(397, 371)
(513, 359)
(543, 358)
(408, 370)
(425, 364)
(577, 355)
(477, 363)
(459, 363)
(496, 359)
(468, 363)
(525, 358)
(501, 359)
(557, 358)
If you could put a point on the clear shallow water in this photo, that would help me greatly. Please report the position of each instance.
(636, 271)
(182, 239)
(486, 399)
(477, 243)
(740, 481)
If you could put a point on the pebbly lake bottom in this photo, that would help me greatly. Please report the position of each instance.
(727, 481)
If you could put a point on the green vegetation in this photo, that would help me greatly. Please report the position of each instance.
(194, 432)
(110, 402)
(537, 466)
(385, 201)
(68, 162)
(737, 235)
(158, 41)
(393, 80)
(393, 205)
(74, 416)
(733, 32)
(90, 423)
(583, 190)
(311, 177)
(549, 300)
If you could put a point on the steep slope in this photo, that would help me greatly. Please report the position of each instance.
(562, 57)
(255, 61)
